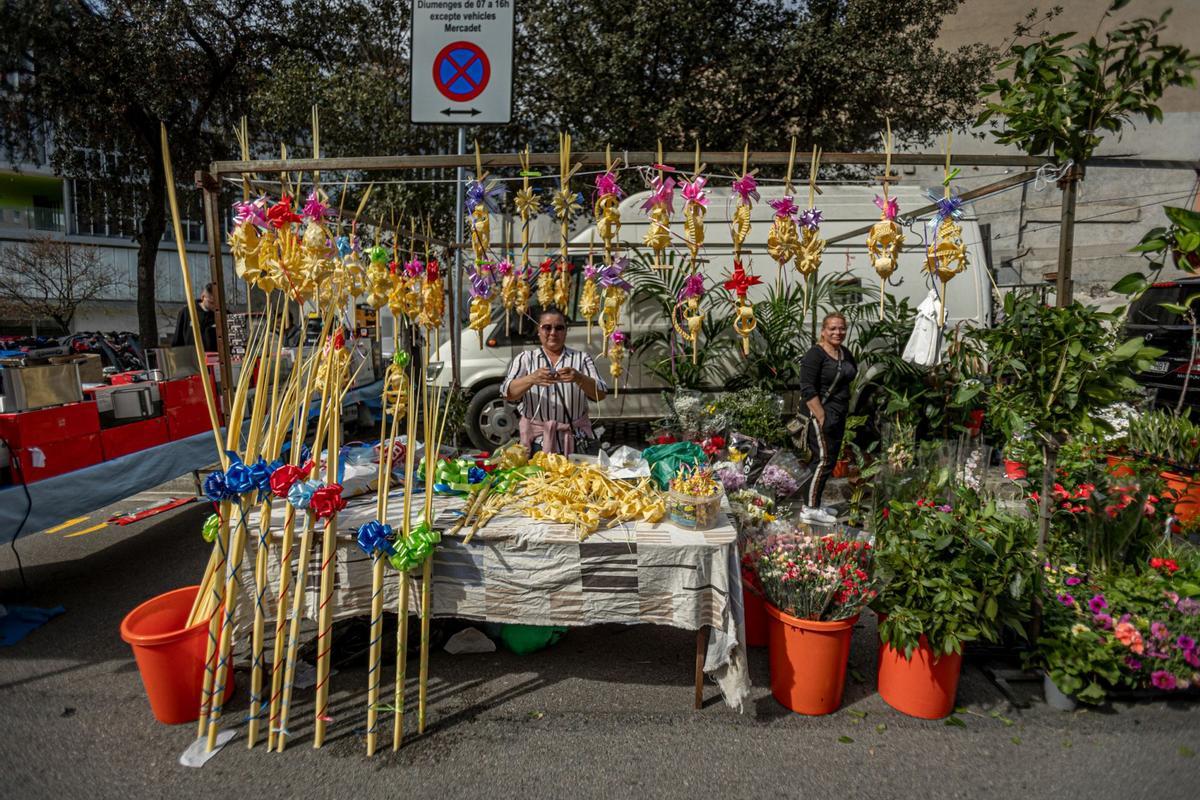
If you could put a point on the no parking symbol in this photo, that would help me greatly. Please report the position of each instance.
(462, 53)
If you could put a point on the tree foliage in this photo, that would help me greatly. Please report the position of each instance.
(1061, 98)
(47, 278)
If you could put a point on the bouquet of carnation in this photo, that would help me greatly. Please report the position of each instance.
(821, 578)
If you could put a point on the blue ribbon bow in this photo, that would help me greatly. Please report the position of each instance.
(375, 535)
(300, 495)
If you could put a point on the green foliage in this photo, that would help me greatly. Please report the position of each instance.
(665, 354)
(610, 72)
(1050, 369)
(1062, 97)
(954, 569)
(755, 412)
(1165, 437)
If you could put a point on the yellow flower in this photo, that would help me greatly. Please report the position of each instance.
(1078, 629)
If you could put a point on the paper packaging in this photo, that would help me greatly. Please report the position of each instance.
(54, 424)
(133, 438)
(55, 458)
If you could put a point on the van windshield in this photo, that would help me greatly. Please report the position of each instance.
(1148, 310)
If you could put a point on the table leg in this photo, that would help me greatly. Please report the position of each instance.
(701, 649)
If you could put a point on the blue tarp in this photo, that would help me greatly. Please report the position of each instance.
(63, 497)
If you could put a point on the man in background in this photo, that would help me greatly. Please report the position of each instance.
(206, 307)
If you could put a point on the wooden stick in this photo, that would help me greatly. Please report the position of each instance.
(328, 567)
(410, 461)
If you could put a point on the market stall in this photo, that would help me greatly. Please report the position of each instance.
(521, 571)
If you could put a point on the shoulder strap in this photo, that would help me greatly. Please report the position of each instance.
(562, 398)
(836, 378)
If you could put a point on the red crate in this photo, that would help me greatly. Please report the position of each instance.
(32, 464)
(185, 421)
(126, 378)
(46, 425)
(134, 437)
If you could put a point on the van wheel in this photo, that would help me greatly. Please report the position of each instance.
(491, 420)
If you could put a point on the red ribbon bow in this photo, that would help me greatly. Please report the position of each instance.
(327, 501)
(283, 478)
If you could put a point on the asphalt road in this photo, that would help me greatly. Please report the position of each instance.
(607, 712)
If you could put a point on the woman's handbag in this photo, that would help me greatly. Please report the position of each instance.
(797, 427)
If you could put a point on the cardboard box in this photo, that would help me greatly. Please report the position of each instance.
(32, 464)
(47, 425)
(185, 421)
(133, 438)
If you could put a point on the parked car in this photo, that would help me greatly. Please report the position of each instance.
(1165, 329)
(490, 420)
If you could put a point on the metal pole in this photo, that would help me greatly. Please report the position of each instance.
(211, 188)
(1063, 285)
(456, 278)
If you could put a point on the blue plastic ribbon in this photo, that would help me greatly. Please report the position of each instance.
(237, 476)
(301, 493)
(260, 475)
(216, 488)
(375, 535)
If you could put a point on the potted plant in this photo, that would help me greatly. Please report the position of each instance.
(953, 571)
(1173, 441)
(815, 587)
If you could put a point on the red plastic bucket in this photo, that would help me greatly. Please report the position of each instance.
(170, 656)
(808, 661)
(923, 686)
(756, 615)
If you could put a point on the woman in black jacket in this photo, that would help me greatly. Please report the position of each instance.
(826, 372)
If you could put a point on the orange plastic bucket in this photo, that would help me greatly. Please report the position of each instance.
(1118, 466)
(756, 615)
(923, 686)
(808, 661)
(170, 656)
(1187, 495)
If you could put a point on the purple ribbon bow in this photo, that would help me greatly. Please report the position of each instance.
(481, 282)
(413, 268)
(610, 274)
(692, 287)
(810, 218)
(490, 196)
(947, 207)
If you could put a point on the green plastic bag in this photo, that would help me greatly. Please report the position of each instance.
(666, 459)
(526, 639)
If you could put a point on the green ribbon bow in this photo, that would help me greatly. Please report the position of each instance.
(412, 551)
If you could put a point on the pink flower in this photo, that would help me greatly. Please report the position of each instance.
(1067, 600)
(1074, 581)
(1104, 621)
(1133, 663)
(1159, 631)
(1192, 658)
(1097, 604)
(1161, 679)
(1185, 643)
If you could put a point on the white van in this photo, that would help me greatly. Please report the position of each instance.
(491, 421)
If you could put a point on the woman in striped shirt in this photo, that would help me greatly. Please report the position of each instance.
(551, 387)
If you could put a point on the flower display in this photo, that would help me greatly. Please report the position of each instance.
(817, 578)
(779, 480)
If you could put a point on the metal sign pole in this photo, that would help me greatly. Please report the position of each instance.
(456, 305)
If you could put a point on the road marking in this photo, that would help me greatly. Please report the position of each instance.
(65, 525)
(86, 531)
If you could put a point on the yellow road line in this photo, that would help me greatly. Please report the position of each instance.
(85, 531)
(66, 524)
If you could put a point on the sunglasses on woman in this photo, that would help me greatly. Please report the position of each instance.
(554, 328)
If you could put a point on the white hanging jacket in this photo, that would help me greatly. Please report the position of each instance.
(923, 345)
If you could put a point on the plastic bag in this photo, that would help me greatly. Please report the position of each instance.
(666, 459)
(782, 476)
(627, 462)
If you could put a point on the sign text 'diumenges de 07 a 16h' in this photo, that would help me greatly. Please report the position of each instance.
(462, 56)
